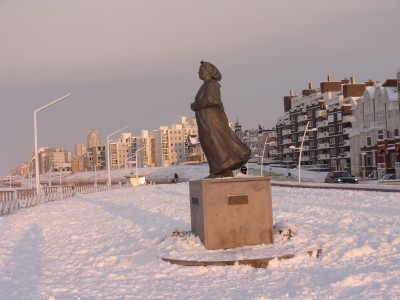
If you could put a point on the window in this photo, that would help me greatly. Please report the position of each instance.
(332, 141)
(339, 116)
(380, 135)
(340, 128)
(331, 129)
(369, 141)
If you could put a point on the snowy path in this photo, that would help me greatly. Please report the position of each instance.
(107, 246)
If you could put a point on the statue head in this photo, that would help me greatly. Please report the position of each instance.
(211, 70)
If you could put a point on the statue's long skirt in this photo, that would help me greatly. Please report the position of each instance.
(223, 149)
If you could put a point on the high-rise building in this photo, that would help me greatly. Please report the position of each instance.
(93, 138)
(171, 143)
(327, 111)
(80, 150)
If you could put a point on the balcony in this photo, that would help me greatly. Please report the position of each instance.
(306, 148)
(286, 131)
(323, 146)
(306, 138)
(273, 144)
(347, 130)
(305, 158)
(273, 152)
(302, 128)
(286, 151)
(346, 143)
(287, 122)
(287, 141)
(302, 118)
(348, 119)
(322, 135)
(272, 134)
(321, 113)
(323, 156)
(322, 124)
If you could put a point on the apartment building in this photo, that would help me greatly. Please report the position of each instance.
(93, 138)
(95, 158)
(171, 143)
(266, 146)
(375, 139)
(119, 150)
(80, 150)
(318, 122)
(53, 159)
(144, 148)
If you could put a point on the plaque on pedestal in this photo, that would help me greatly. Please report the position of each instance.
(231, 212)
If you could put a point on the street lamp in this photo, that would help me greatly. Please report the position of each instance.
(108, 154)
(36, 139)
(262, 156)
(301, 147)
(126, 163)
(136, 163)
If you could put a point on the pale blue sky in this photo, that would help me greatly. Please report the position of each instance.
(135, 62)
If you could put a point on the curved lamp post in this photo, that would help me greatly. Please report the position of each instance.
(126, 163)
(108, 154)
(37, 177)
(263, 153)
(301, 147)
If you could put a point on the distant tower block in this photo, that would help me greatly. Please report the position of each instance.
(93, 138)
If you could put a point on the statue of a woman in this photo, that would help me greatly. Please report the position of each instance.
(224, 151)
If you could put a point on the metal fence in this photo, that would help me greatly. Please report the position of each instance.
(19, 198)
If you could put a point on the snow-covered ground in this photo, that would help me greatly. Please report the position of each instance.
(109, 245)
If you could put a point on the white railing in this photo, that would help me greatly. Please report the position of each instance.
(315, 167)
(21, 198)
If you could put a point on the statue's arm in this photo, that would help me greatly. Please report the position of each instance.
(202, 105)
(211, 99)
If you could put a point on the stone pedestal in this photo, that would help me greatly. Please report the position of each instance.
(231, 212)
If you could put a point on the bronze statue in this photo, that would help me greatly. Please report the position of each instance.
(225, 152)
